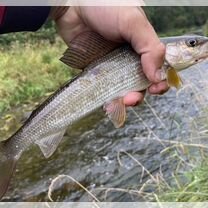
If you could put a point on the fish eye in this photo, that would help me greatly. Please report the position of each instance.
(191, 42)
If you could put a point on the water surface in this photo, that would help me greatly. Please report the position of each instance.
(101, 157)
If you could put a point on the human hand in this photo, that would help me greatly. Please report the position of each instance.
(120, 24)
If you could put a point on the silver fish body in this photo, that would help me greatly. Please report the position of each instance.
(102, 81)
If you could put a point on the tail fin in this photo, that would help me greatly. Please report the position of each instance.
(7, 167)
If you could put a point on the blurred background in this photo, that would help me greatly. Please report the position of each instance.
(160, 154)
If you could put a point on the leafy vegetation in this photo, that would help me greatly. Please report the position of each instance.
(172, 18)
(30, 68)
(29, 71)
(191, 186)
(46, 33)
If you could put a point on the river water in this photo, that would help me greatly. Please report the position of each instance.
(162, 136)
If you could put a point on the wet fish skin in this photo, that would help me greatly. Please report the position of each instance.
(82, 96)
(102, 81)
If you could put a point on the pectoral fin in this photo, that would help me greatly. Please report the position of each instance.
(116, 112)
(49, 144)
(173, 78)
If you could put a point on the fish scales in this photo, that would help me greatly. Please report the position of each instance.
(102, 81)
(107, 78)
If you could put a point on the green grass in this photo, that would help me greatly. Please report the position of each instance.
(189, 181)
(45, 33)
(29, 71)
(195, 189)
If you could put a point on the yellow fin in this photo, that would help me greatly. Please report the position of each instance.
(116, 112)
(173, 78)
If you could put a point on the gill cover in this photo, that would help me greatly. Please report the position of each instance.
(185, 51)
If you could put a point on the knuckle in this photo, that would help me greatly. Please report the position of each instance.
(150, 73)
(159, 88)
(161, 49)
(128, 17)
(151, 76)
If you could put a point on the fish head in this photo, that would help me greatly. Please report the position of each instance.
(185, 51)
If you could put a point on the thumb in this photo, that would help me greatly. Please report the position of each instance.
(152, 61)
(136, 29)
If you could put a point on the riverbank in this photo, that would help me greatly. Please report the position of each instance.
(29, 71)
(30, 66)
(191, 186)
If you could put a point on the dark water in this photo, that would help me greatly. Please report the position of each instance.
(100, 157)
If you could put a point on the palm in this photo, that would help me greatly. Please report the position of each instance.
(119, 24)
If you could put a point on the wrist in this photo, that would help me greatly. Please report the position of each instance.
(57, 11)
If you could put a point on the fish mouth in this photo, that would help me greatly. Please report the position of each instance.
(201, 58)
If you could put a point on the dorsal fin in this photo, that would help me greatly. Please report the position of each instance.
(85, 48)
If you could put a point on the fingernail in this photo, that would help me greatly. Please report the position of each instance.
(160, 75)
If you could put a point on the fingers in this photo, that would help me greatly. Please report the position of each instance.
(121, 24)
(145, 41)
(135, 28)
(159, 88)
(133, 98)
(152, 62)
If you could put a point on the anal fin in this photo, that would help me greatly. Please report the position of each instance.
(116, 112)
(49, 144)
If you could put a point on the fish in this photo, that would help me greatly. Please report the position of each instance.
(109, 71)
